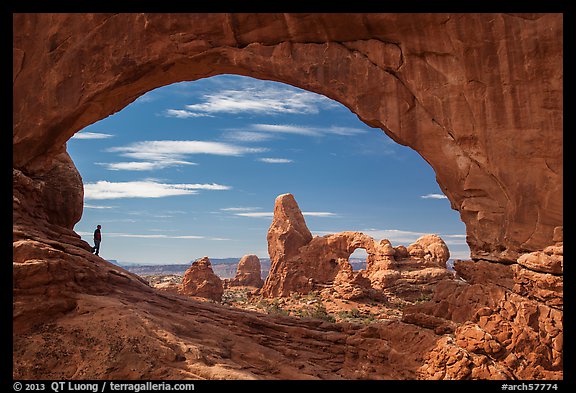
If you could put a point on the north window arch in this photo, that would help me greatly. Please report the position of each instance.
(438, 99)
(192, 169)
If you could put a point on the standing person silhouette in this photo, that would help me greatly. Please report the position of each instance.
(97, 240)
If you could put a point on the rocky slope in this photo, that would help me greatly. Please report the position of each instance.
(404, 317)
(84, 318)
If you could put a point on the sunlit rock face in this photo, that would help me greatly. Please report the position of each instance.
(248, 273)
(494, 321)
(201, 281)
(300, 263)
(478, 96)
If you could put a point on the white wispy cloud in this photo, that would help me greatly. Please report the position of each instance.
(307, 130)
(262, 132)
(276, 160)
(248, 136)
(319, 214)
(286, 129)
(271, 214)
(91, 135)
(166, 153)
(89, 206)
(162, 236)
(257, 98)
(256, 214)
(143, 189)
(239, 209)
(344, 131)
(154, 236)
(434, 196)
(184, 114)
(173, 150)
(143, 165)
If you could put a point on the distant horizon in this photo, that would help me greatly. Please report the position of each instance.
(194, 168)
(136, 264)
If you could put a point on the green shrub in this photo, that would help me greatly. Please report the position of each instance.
(318, 311)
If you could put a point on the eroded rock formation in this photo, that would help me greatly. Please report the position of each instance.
(431, 248)
(510, 320)
(501, 333)
(479, 96)
(300, 264)
(299, 261)
(496, 321)
(77, 316)
(248, 273)
(201, 281)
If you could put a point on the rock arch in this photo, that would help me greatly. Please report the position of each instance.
(479, 96)
(300, 263)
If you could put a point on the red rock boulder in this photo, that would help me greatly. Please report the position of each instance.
(430, 248)
(201, 281)
(248, 273)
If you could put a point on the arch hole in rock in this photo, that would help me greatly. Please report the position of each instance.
(358, 259)
(192, 169)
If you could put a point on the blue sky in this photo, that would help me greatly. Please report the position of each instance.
(192, 169)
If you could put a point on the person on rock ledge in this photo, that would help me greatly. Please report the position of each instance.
(97, 240)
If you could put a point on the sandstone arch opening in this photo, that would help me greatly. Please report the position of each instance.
(211, 141)
(358, 259)
(367, 71)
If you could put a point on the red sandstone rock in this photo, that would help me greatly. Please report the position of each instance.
(479, 96)
(401, 252)
(168, 287)
(548, 288)
(248, 273)
(352, 285)
(288, 231)
(317, 262)
(558, 234)
(430, 248)
(461, 106)
(484, 272)
(439, 325)
(323, 261)
(92, 320)
(299, 262)
(503, 334)
(550, 260)
(199, 280)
